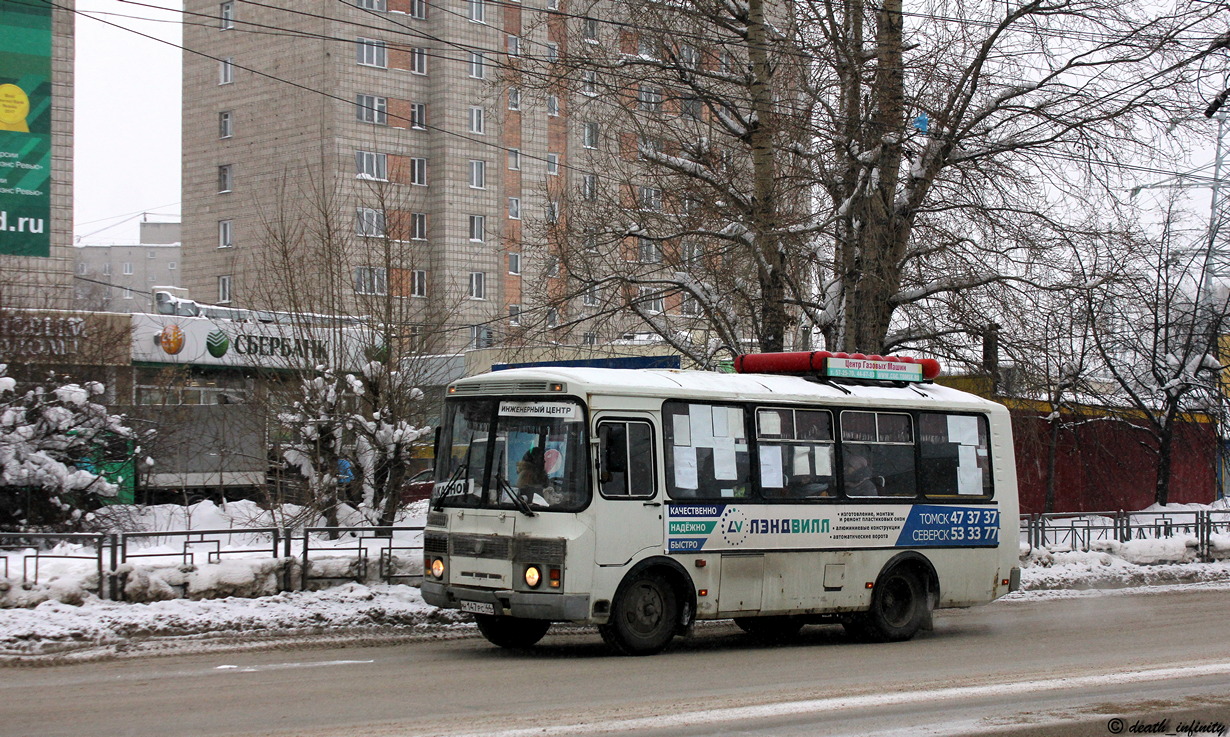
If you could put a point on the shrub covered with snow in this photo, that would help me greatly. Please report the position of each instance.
(48, 434)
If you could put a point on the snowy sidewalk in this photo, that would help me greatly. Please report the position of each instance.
(55, 632)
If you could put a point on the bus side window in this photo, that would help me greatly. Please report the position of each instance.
(625, 459)
(955, 455)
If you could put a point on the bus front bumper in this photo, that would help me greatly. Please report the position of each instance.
(524, 604)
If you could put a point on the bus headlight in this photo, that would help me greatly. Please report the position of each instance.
(533, 577)
(437, 567)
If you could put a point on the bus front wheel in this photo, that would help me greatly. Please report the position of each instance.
(898, 609)
(510, 632)
(643, 617)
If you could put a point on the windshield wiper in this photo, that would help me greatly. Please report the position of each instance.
(502, 484)
(449, 489)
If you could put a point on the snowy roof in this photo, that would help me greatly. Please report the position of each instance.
(678, 383)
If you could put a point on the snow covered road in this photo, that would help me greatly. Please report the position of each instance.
(1134, 654)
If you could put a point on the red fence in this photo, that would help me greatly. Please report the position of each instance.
(1107, 463)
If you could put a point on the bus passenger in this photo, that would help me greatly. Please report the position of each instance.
(857, 475)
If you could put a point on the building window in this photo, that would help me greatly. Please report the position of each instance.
(477, 121)
(589, 297)
(226, 235)
(649, 300)
(648, 251)
(649, 98)
(552, 4)
(514, 208)
(649, 198)
(553, 164)
(589, 339)
(689, 57)
(691, 108)
(552, 105)
(690, 305)
(418, 172)
(127, 268)
(478, 65)
(727, 62)
(552, 212)
(514, 264)
(372, 109)
(226, 174)
(478, 285)
(514, 315)
(226, 70)
(226, 124)
(552, 266)
(418, 283)
(418, 9)
(514, 158)
(589, 135)
(418, 115)
(481, 337)
(645, 146)
(171, 266)
(478, 174)
(418, 60)
(226, 16)
(690, 252)
(224, 289)
(514, 45)
(371, 165)
(589, 82)
(371, 280)
(552, 52)
(589, 187)
(478, 228)
(589, 29)
(371, 53)
(647, 46)
(369, 222)
(418, 226)
(514, 98)
(373, 4)
(478, 11)
(552, 318)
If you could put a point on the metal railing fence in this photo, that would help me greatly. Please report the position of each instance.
(110, 551)
(1080, 531)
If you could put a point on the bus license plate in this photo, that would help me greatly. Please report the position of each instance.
(478, 607)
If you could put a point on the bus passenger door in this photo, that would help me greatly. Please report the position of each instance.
(627, 512)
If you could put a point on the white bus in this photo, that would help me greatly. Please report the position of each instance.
(808, 488)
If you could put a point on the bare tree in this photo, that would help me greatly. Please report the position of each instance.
(841, 169)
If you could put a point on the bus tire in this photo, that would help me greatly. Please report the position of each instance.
(643, 617)
(770, 629)
(511, 632)
(898, 609)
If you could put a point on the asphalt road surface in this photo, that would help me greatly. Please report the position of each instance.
(1105, 665)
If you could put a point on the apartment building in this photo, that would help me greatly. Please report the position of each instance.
(365, 158)
(122, 278)
(36, 154)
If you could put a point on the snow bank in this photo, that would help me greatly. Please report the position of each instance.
(97, 628)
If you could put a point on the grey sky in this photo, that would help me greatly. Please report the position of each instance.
(127, 123)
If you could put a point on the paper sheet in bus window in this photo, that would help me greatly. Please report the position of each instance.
(802, 461)
(969, 475)
(685, 467)
(824, 460)
(963, 430)
(720, 417)
(771, 466)
(683, 429)
(734, 420)
(702, 425)
(770, 423)
(724, 459)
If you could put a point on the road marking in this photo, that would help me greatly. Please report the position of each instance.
(287, 666)
(816, 706)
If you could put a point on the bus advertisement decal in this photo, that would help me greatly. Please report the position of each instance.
(693, 527)
(931, 525)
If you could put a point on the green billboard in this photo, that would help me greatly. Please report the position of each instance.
(25, 127)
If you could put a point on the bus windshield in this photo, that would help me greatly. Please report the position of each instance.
(492, 448)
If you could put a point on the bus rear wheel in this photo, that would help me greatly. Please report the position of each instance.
(898, 609)
(643, 617)
(511, 633)
(770, 629)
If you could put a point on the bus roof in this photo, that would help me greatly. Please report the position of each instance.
(686, 384)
